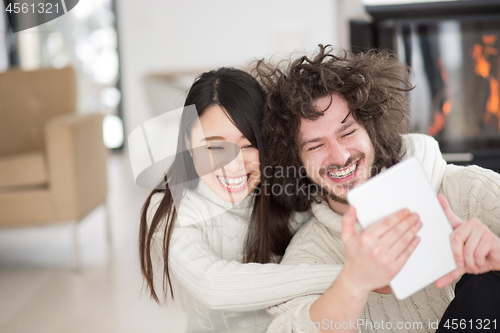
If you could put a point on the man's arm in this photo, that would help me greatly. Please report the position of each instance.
(373, 257)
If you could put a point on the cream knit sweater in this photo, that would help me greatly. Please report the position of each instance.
(471, 191)
(219, 293)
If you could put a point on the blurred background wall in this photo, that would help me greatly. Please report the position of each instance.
(175, 36)
(119, 44)
(133, 61)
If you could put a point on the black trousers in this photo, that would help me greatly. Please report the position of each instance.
(476, 307)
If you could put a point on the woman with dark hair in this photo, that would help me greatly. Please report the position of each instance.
(214, 235)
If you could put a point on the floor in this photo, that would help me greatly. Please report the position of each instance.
(40, 292)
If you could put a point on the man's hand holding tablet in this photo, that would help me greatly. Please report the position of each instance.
(405, 185)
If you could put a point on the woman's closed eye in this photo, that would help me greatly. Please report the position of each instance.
(250, 146)
(216, 148)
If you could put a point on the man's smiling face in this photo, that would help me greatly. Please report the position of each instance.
(335, 150)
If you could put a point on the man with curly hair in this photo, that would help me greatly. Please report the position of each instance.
(341, 120)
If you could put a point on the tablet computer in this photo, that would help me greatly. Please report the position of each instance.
(405, 185)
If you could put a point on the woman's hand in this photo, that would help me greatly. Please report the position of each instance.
(475, 248)
(376, 255)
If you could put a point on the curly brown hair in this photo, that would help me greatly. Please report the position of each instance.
(373, 84)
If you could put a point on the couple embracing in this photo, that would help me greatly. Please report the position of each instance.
(251, 231)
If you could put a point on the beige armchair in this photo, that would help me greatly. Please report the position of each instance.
(52, 160)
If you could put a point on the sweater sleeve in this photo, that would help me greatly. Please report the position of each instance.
(426, 149)
(231, 285)
(293, 316)
(473, 192)
(313, 245)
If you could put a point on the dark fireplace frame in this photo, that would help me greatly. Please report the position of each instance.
(366, 35)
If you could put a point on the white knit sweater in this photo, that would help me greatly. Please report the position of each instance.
(471, 191)
(218, 292)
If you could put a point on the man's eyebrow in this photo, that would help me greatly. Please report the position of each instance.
(341, 129)
(304, 143)
(346, 126)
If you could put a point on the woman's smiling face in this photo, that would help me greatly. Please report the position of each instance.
(223, 158)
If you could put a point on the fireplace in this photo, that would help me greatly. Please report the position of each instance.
(453, 49)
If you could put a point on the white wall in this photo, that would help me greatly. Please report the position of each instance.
(349, 10)
(165, 35)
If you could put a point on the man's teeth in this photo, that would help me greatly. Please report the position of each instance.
(343, 172)
(233, 183)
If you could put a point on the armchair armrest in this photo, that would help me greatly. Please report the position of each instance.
(76, 158)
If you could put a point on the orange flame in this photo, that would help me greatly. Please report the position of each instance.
(482, 67)
(447, 107)
(437, 125)
(489, 39)
(440, 115)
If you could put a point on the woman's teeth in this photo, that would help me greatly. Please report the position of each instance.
(342, 173)
(233, 183)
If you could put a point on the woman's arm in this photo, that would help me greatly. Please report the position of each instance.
(231, 285)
